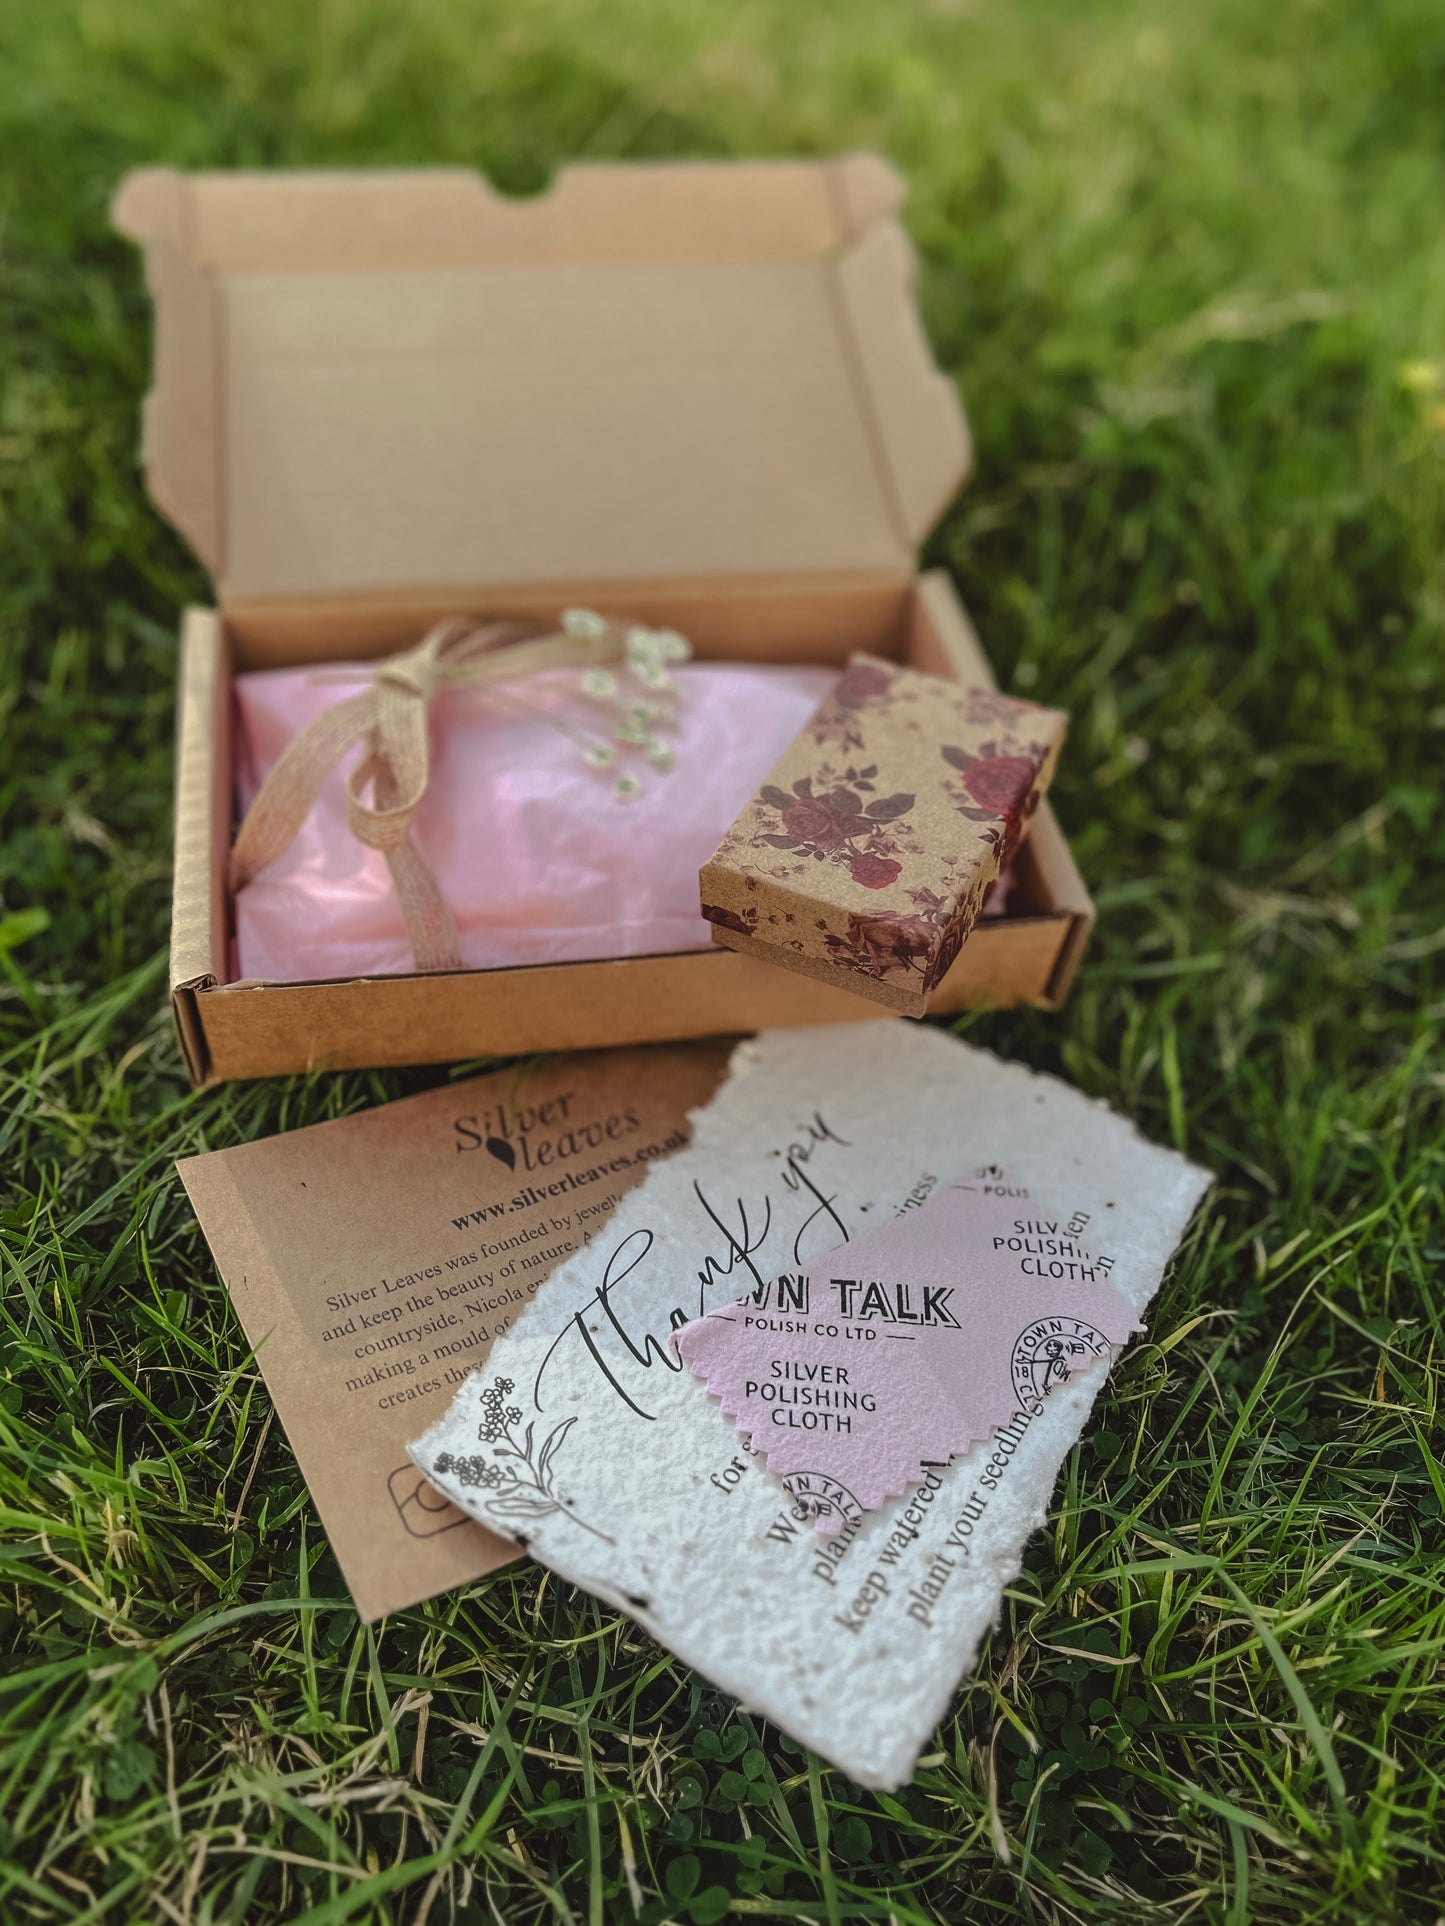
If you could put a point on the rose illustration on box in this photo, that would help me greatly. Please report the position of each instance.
(830, 818)
(882, 943)
(997, 788)
(864, 687)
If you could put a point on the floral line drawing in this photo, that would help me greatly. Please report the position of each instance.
(519, 1485)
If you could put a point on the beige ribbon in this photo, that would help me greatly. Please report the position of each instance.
(390, 717)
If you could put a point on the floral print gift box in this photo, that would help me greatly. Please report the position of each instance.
(866, 856)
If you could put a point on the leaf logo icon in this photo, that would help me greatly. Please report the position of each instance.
(502, 1151)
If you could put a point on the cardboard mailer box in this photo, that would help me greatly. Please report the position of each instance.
(698, 395)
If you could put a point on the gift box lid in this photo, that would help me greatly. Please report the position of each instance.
(865, 858)
(392, 383)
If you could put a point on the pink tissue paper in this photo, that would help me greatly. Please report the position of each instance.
(539, 860)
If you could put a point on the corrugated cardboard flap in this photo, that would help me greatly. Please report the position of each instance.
(378, 384)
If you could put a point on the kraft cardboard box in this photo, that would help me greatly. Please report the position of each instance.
(694, 394)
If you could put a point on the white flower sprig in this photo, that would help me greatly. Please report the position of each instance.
(638, 700)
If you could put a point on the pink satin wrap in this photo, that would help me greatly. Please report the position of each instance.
(538, 859)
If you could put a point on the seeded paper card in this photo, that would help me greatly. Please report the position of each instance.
(374, 1261)
(587, 1439)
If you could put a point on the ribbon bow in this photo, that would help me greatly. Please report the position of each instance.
(390, 717)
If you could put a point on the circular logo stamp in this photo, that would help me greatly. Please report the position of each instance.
(816, 1495)
(1050, 1351)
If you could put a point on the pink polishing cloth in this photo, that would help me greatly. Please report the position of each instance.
(538, 859)
(904, 1347)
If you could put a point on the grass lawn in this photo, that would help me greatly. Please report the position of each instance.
(1189, 264)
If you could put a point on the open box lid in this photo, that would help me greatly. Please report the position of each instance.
(397, 383)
